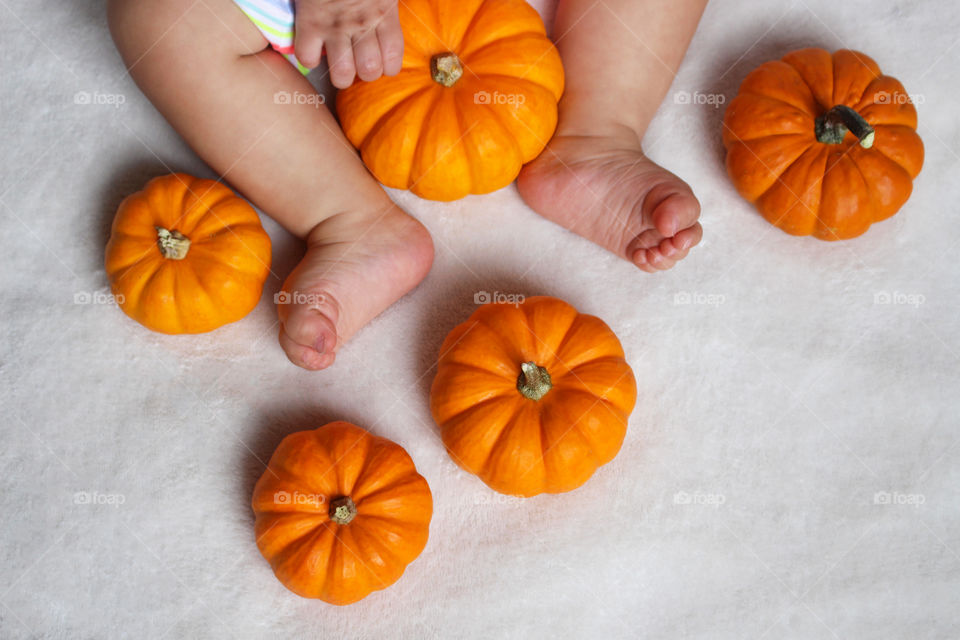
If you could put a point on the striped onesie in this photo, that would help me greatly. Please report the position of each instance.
(275, 19)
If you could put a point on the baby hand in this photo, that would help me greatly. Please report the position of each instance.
(362, 38)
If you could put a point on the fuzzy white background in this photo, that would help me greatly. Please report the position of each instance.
(778, 411)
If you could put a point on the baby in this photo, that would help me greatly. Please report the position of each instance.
(212, 68)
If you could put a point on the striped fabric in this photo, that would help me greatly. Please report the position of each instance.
(275, 19)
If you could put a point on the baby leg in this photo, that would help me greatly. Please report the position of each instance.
(620, 57)
(208, 70)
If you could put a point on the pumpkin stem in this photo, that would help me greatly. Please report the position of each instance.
(534, 381)
(343, 510)
(173, 244)
(832, 126)
(446, 68)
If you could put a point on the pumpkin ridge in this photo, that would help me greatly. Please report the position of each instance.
(877, 149)
(583, 391)
(475, 367)
(375, 452)
(292, 547)
(146, 262)
(613, 360)
(503, 342)
(212, 216)
(499, 397)
(521, 34)
(754, 94)
(818, 183)
(141, 302)
(813, 90)
(575, 427)
(122, 240)
(820, 225)
(365, 445)
(245, 229)
(868, 186)
(333, 558)
(563, 341)
(202, 257)
(346, 540)
(206, 210)
(186, 192)
(508, 135)
(408, 527)
(435, 105)
(621, 416)
(508, 425)
(407, 481)
(779, 176)
(370, 539)
(379, 123)
(474, 168)
(466, 30)
(199, 280)
(530, 83)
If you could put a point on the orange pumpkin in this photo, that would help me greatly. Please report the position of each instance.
(187, 255)
(532, 398)
(822, 144)
(340, 513)
(476, 98)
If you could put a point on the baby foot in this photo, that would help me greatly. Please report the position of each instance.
(605, 189)
(356, 265)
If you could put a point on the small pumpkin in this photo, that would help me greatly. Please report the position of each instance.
(822, 144)
(532, 398)
(187, 255)
(340, 513)
(475, 99)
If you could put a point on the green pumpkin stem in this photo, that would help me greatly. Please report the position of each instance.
(534, 381)
(342, 510)
(446, 68)
(173, 244)
(833, 125)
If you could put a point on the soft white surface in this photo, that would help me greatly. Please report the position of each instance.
(788, 406)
